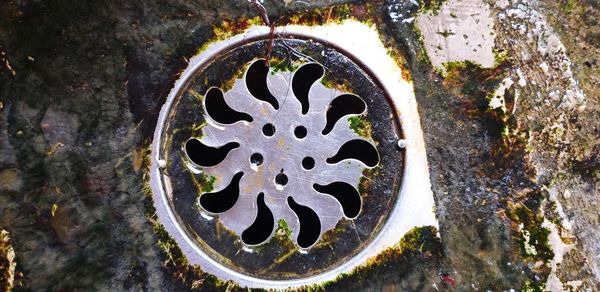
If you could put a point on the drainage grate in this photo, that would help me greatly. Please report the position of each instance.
(291, 154)
(277, 173)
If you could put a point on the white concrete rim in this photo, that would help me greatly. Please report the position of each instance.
(414, 207)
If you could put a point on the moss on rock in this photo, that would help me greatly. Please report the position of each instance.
(360, 125)
(419, 245)
(430, 6)
(7, 262)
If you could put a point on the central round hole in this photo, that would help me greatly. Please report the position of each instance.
(308, 163)
(268, 130)
(256, 159)
(300, 132)
(281, 179)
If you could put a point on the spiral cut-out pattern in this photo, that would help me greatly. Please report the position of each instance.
(279, 147)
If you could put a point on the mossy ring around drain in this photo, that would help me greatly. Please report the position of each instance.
(406, 204)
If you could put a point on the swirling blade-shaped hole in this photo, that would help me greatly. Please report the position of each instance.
(345, 193)
(256, 82)
(343, 105)
(310, 225)
(263, 225)
(356, 149)
(219, 110)
(207, 156)
(223, 200)
(303, 79)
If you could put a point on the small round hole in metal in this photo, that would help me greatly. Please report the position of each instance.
(281, 179)
(268, 130)
(256, 159)
(300, 132)
(308, 163)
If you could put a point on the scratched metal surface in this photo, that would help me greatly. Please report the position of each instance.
(282, 151)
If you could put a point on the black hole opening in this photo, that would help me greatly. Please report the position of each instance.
(223, 200)
(310, 225)
(303, 79)
(308, 163)
(268, 130)
(359, 150)
(256, 81)
(300, 132)
(281, 179)
(346, 194)
(219, 110)
(256, 159)
(343, 105)
(263, 225)
(206, 156)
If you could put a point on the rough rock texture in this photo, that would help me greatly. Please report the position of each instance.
(461, 30)
(81, 83)
(7, 261)
(560, 117)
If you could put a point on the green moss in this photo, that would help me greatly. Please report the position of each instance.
(421, 53)
(363, 185)
(420, 240)
(175, 262)
(360, 125)
(531, 286)
(500, 57)
(167, 244)
(475, 86)
(198, 130)
(282, 65)
(206, 184)
(226, 85)
(552, 213)
(199, 97)
(283, 229)
(365, 180)
(336, 83)
(446, 33)
(418, 244)
(398, 57)
(452, 69)
(430, 6)
(212, 283)
(332, 14)
(285, 245)
(534, 238)
(227, 28)
(569, 5)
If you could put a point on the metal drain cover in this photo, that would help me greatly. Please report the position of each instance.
(278, 146)
(281, 173)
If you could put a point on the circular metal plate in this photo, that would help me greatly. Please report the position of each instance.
(277, 176)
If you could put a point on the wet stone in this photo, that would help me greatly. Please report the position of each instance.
(92, 75)
(59, 127)
(10, 180)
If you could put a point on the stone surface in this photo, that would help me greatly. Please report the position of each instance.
(10, 180)
(461, 30)
(8, 262)
(78, 220)
(59, 128)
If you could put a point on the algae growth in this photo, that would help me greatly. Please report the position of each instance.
(360, 125)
